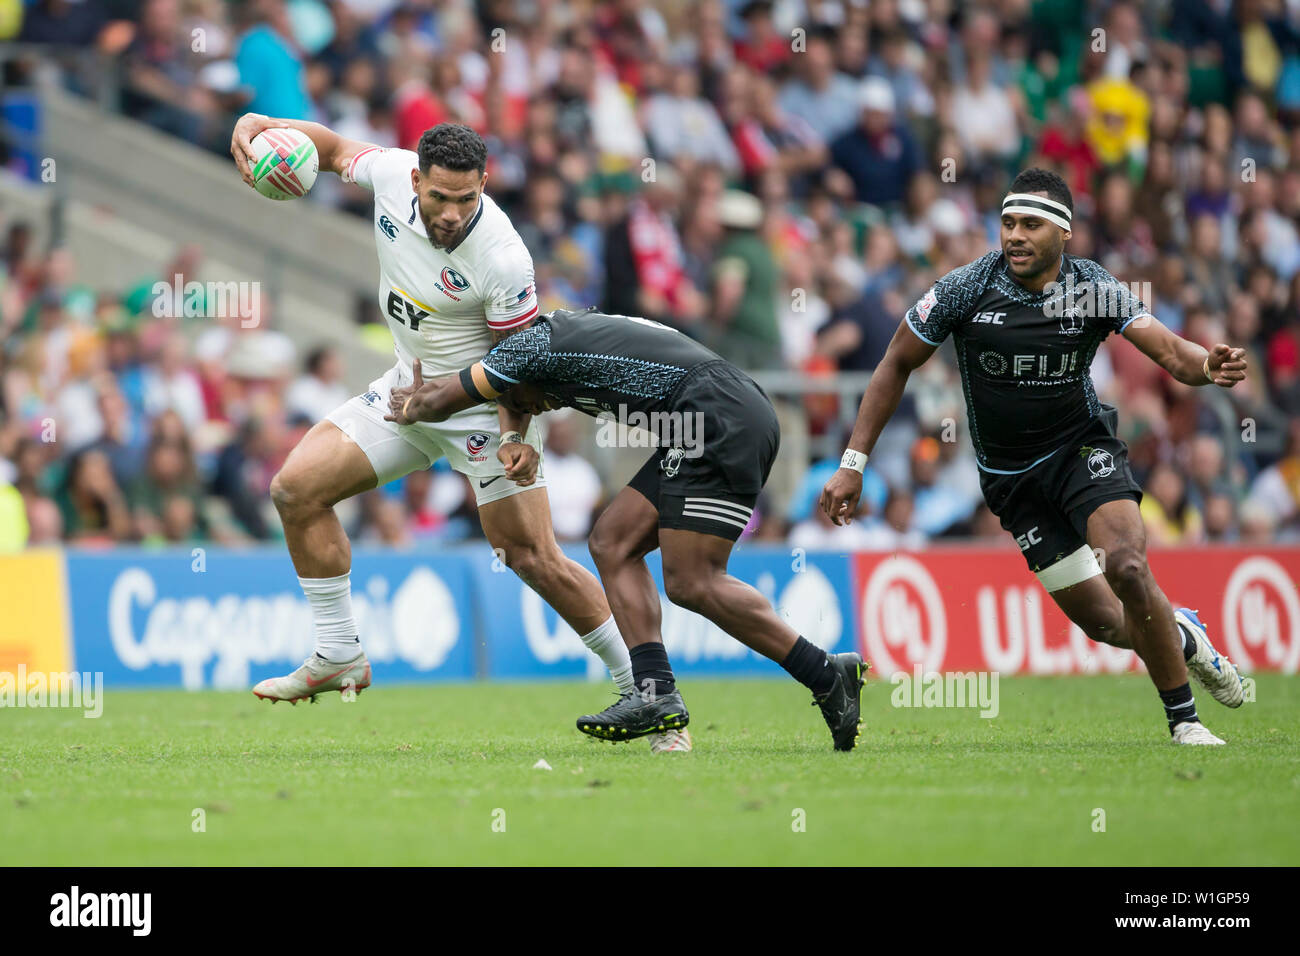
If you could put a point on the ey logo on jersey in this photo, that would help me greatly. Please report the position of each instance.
(388, 227)
(404, 312)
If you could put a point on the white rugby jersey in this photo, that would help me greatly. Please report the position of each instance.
(440, 304)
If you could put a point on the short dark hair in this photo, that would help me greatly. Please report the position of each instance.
(1037, 180)
(452, 146)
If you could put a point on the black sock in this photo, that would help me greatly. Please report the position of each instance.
(1179, 706)
(651, 672)
(1189, 642)
(808, 664)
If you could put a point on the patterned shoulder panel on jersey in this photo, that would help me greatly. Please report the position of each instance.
(1107, 296)
(950, 300)
(522, 357)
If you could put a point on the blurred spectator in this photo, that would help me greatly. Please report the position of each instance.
(169, 385)
(165, 499)
(896, 529)
(62, 23)
(685, 129)
(244, 470)
(1276, 490)
(93, 505)
(320, 389)
(817, 532)
(984, 114)
(826, 99)
(879, 155)
(935, 506)
(270, 64)
(762, 47)
(1169, 516)
(645, 272)
(744, 295)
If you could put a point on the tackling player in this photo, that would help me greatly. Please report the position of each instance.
(1026, 323)
(454, 277)
(717, 438)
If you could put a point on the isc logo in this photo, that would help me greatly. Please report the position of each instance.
(992, 318)
(1028, 539)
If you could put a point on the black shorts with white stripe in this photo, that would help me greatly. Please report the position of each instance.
(722, 513)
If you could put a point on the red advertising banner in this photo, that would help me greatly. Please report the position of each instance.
(981, 609)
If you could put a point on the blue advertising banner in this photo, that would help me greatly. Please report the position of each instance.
(218, 618)
(526, 639)
(226, 619)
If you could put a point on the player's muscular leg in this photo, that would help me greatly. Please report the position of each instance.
(324, 468)
(1093, 606)
(624, 534)
(1116, 528)
(696, 578)
(520, 528)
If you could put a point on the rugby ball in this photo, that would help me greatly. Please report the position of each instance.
(284, 163)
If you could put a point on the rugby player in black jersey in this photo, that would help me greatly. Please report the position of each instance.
(1026, 323)
(717, 438)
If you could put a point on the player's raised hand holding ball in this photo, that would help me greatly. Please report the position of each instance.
(276, 159)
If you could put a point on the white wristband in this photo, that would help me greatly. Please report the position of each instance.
(1206, 369)
(510, 437)
(853, 460)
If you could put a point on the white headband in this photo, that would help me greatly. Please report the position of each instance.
(1027, 204)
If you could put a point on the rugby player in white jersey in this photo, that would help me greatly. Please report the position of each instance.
(454, 277)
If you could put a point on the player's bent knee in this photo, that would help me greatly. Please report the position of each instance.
(605, 546)
(609, 545)
(534, 566)
(284, 493)
(1126, 570)
(687, 589)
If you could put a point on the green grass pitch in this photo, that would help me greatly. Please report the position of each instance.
(444, 775)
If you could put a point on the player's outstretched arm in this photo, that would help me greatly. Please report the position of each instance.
(333, 151)
(436, 401)
(1186, 361)
(905, 354)
(519, 457)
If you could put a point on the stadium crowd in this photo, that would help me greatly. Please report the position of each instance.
(779, 179)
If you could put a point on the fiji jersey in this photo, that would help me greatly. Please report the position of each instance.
(597, 363)
(440, 303)
(1024, 356)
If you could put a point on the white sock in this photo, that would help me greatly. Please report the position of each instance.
(331, 613)
(607, 644)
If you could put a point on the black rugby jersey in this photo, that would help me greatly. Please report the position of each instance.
(598, 363)
(1024, 356)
